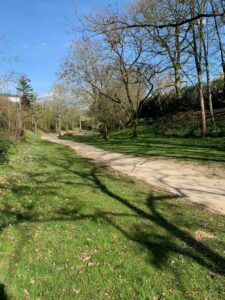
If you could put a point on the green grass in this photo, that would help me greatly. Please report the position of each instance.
(72, 230)
(150, 144)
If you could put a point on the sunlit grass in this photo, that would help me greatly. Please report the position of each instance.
(150, 144)
(72, 230)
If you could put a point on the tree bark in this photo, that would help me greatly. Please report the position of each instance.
(202, 104)
(67, 129)
(34, 124)
(80, 123)
(177, 65)
(209, 91)
(134, 128)
(224, 81)
(59, 125)
(198, 63)
(105, 132)
(19, 126)
(221, 48)
(177, 81)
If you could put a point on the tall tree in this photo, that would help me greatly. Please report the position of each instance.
(206, 41)
(197, 43)
(119, 74)
(25, 91)
(218, 26)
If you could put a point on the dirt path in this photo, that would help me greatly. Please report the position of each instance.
(192, 182)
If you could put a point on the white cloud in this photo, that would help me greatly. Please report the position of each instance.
(40, 43)
(36, 43)
(25, 45)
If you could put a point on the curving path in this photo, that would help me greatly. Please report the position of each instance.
(192, 182)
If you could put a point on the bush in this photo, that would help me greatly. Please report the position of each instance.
(6, 149)
(165, 104)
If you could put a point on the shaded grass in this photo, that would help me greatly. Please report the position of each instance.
(150, 144)
(72, 230)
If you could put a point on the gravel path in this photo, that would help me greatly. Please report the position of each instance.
(192, 182)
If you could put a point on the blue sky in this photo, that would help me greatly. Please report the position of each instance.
(37, 33)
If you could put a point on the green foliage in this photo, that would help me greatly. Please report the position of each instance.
(188, 124)
(7, 148)
(217, 85)
(72, 230)
(169, 104)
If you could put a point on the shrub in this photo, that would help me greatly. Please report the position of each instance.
(165, 104)
(6, 149)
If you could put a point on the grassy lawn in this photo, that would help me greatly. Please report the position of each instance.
(72, 230)
(149, 144)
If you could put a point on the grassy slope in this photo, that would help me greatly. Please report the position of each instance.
(149, 144)
(71, 230)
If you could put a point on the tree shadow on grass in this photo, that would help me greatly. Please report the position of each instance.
(3, 295)
(158, 245)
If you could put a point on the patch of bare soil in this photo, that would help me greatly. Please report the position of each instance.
(201, 235)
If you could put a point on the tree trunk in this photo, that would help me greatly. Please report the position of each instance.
(177, 82)
(202, 104)
(80, 123)
(19, 126)
(59, 126)
(198, 64)
(211, 105)
(209, 91)
(32, 122)
(56, 127)
(134, 128)
(105, 132)
(221, 48)
(224, 81)
(35, 126)
(177, 65)
(67, 129)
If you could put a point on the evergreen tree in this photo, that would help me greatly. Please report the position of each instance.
(25, 91)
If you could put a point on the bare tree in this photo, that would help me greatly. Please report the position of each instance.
(206, 41)
(170, 42)
(218, 24)
(163, 17)
(117, 72)
(138, 46)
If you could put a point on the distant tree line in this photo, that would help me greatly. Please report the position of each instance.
(163, 104)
